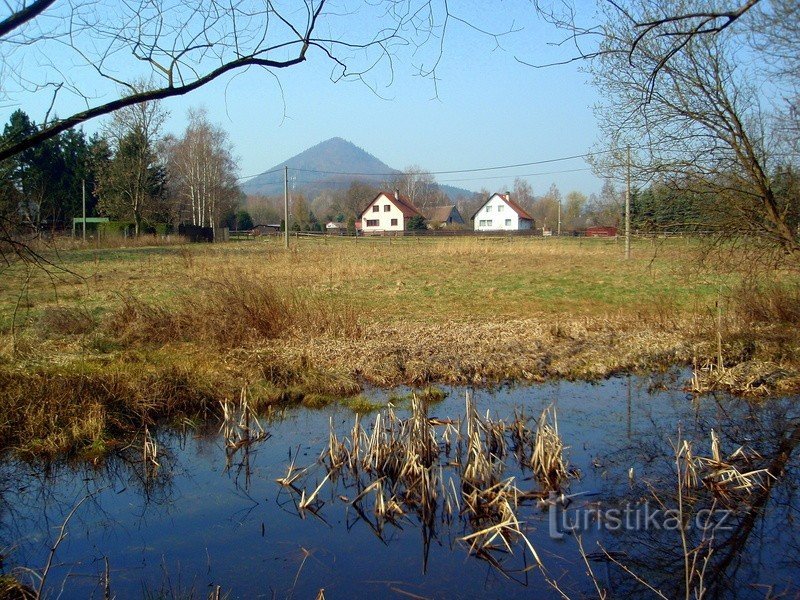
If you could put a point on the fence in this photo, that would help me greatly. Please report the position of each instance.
(443, 233)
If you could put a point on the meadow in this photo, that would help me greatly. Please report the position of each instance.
(111, 339)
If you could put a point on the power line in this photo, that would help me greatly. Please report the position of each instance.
(451, 172)
(243, 177)
(457, 171)
(447, 181)
(519, 175)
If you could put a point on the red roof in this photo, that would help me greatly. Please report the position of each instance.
(403, 204)
(523, 214)
(507, 199)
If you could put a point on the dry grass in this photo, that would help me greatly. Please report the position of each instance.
(230, 312)
(769, 302)
(56, 409)
(322, 320)
(12, 589)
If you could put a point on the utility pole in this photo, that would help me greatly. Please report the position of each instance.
(83, 187)
(559, 218)
(286, 207)
(628, 209)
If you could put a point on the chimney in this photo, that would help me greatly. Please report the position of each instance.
(508, 195)
(396, 194)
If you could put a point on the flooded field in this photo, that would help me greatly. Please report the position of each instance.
(188, 513)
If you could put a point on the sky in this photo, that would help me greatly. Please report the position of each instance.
(484, 109)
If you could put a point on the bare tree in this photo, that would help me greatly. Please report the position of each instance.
(418, 185)
(545, 208)
(706, 124)
(676, 23)
(86, 50)
(573, 210)
(351, 201)
(605, 209)
(132, 184)
(202, 172)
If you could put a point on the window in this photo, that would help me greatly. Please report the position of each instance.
(394, 221)
(372, 222)
(508, 222)
(387, 207)
(500, 208)
(376, 208)
(489, 223)
(488, 209)
(482, 223)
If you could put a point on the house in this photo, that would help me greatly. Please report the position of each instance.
(335, 228)
(388, 213)
(442, 216)
(501, 213)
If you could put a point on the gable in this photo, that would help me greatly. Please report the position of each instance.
(506, 200)
(399, 202)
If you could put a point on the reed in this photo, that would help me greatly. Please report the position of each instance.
(547, 458)
(439, 471)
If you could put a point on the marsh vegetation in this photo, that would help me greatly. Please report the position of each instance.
(119, 338)
(488, 494)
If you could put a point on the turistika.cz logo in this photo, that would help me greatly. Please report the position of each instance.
(640, 516)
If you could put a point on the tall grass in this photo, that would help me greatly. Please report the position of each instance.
(230, 312)
(55, 410)
(768, 302)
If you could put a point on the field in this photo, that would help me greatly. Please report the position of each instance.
(116, 338)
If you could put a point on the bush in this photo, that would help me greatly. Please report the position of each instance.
(244, 222)
(119, 228)
(416, 223)
(768, 302)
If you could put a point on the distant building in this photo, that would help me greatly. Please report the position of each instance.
(501, 213)
(601, 232)
(335, 228)
(442, 216)
(388, 213)
(266, 229)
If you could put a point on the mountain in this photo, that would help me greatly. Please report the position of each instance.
(330, 165)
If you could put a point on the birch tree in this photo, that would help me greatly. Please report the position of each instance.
(202, 172)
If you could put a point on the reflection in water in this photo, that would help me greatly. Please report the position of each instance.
(212, 514)
(735, 526)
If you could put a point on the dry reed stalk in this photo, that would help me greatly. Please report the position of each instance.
(307, 501)
(724, 477)
(240, 426)
(547, 459)
(337, 453)
(150, 453)
(397, 468)
(292, 473)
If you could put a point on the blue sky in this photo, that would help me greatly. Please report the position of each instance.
(487, 109)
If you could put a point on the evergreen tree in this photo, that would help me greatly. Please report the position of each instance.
(133, 182)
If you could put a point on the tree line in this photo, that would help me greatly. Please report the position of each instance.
(129, 172)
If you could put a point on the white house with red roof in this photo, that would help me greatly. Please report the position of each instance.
(388, 213)
(501, 213)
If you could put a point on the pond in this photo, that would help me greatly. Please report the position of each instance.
(203, 516)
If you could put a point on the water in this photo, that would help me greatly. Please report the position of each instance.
(199, 523)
